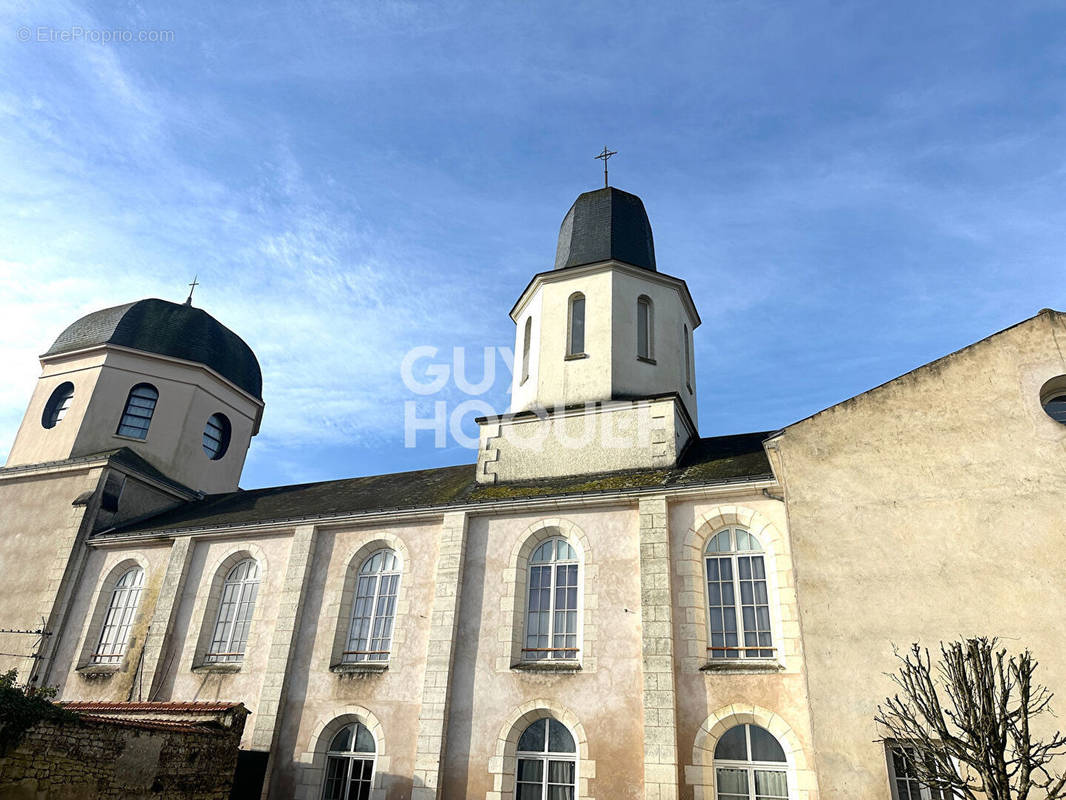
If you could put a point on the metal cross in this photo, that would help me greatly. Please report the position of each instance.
(605, 155)
(192, 288)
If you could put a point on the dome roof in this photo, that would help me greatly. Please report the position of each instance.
(168, 329)
(603, 225)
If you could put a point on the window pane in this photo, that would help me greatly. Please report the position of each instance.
(336, 769)
(732, 783)
(364, 739)
(764, 747)
(530, 770)
(642, 329)
(532, 740)
(342, 740)
(732, 746)
(770, 785)
(529, 791)
(577, 325)
(560, 793)
(559, 738)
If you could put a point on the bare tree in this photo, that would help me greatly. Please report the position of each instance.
(967, 723)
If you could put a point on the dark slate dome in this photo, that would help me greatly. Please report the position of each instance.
(169, 329)
(603, 225)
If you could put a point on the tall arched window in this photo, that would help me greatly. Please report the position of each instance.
(115, 634)
(737, 599)
(137, 416)
(749, 764)
(350, 764)
(688, 358)
(526, 336)
(370, 634)
(575, 338)
(235, 609)
(56, 407)
(644, 327)
(551, 611)
(547, 762)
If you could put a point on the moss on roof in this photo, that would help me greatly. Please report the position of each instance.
(707, 461)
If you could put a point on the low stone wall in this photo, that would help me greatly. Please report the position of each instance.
(117, 758)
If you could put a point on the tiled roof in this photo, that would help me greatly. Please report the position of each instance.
(163, 708)
(721, 459)
(169, 329)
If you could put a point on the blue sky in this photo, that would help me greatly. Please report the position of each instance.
(850, 190)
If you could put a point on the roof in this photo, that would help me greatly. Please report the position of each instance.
(92, 706)
(173, 717)
(604, 225)
(168, 329)
(716, 460)
(123, 456)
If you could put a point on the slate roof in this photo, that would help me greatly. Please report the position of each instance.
(169, 329)
(722, 459)
(607, 224)
(123, 456)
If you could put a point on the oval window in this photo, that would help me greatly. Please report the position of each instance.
(216, 436)
(56, 407)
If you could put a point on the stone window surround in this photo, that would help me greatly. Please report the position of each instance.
(207, 603)
(700, 774)
(313, 760)
(504, 761)
(102, 594)
(513, 597)
(692, 591)
(339, 599)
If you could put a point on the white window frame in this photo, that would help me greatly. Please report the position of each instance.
(569, 654)
(924, 792)
(226, 648)
(545, 756)
(369, 652)
(738, 607)
(350, 757)
(118, 619)
(570, 351)
(127, 413)
(751, 767)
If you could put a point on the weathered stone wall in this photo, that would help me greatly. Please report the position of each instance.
(96, 759)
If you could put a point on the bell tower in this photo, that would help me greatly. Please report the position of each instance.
(603, 344)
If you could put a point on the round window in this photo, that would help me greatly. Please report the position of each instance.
(1053, 398)
(216, 436)
(56, 407)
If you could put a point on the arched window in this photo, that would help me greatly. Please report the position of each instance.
(688, 358)
(56, 407)
(235, 608)
(140, 405)
(350, 764)
(737, 600)
(749, 764)
(121, 609)
(644, 327)
(216, 436)
(370, 634)
(547, 762)
(551, 611)
(575, 339)
(526, 336)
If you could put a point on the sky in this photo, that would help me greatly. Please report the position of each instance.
(851, 190)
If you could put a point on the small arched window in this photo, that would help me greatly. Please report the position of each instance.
(118, 622)
(137, 416)
(58, 404)
(526, 336)
(235, 608)
(688, 358)
(350, 764)
(738, 605)
(547, 762)
(551, 611)
(749, 764)
(644, 327)
(216, 436)
(370, 634)
(575, 338)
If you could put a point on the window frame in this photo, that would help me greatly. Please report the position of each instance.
(571, 318)
(213, 656)
(734, 555)
(131, 599)
(527, 339)
(545, 756)
(57, 405)
(751, 766)
(528, 654)
(686, 335)
(225, 434)
(126, 412)
(350, 757)
(350, 656)
(924, 792)
(646, 327)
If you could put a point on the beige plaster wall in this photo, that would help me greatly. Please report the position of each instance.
(930, 508)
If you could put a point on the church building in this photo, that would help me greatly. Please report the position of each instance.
(605, 606)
